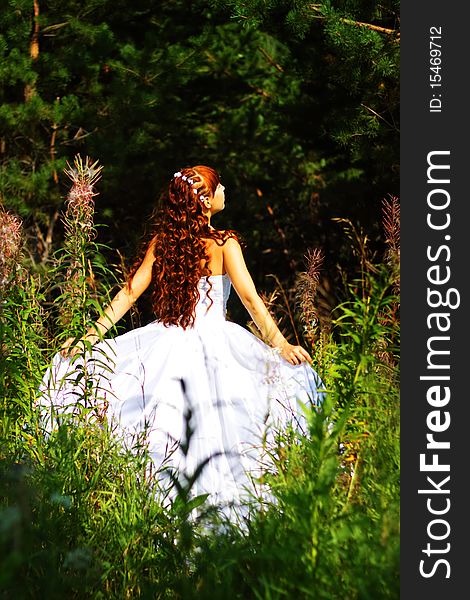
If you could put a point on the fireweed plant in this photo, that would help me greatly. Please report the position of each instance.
(21, 327)
(81, 516)
(83, 281)
(10, 246)
(79, 249)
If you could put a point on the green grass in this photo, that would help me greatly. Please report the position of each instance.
(80, 517)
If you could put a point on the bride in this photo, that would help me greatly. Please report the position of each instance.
(190, 365)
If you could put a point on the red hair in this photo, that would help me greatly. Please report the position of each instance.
(179, 238)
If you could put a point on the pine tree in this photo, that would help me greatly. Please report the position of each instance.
(296, 104)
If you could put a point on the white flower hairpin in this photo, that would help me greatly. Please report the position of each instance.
(178, 174)
(183, 177)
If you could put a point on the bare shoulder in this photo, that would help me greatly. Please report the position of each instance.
(234, 260)
(235, 266)
(231, 246)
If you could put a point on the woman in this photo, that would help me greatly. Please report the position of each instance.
(190, 366)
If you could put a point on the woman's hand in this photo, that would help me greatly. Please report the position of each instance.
(65, 348)
(70, 347)
(295, 355)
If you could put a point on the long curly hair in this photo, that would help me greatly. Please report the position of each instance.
(179, 237)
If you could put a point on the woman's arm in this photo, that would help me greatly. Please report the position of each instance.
(244, 286)
(119, 305)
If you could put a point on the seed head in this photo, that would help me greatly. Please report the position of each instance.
(10, 244)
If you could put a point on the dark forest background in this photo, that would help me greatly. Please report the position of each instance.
(295, 103)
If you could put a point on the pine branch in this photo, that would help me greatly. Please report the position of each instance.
(317, 8)
(271, 60)
(379, 116)
(372, 27)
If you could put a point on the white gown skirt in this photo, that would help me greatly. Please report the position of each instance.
(208, 397)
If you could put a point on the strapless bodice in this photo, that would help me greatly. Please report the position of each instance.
(214, 292)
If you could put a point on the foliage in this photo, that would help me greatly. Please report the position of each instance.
(296, 104)
(83, 517)
(21, 327)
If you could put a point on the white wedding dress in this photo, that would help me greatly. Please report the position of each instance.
(231, 388)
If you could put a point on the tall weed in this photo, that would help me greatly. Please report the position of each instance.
(81, 516)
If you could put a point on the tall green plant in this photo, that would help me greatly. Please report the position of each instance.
(83, 517)
(79, 252)
(84, 282)
(22, 331)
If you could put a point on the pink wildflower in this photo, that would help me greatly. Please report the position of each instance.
(10, 244)
(306, 290)
(80, 203)
(391, 225)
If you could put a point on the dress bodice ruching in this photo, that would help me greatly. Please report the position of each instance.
(213, 295)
